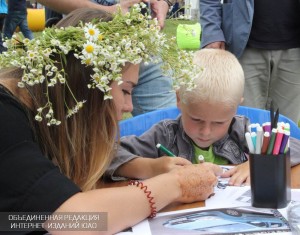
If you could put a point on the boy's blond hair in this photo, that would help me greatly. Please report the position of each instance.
(221, 81)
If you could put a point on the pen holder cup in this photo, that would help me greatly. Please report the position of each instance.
(270, 180)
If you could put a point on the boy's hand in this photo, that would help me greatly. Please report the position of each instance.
(238, 175)
(165, 164)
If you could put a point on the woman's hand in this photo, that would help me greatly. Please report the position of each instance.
(196, 182)
(238, 175)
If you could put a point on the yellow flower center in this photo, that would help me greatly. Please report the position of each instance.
(100, 37)
(88, 61)
(92, 32)
(89, 48)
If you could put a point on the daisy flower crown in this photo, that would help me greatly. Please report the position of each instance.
(105, 46)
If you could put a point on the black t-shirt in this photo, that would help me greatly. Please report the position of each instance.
(29, 182)
(276, 25)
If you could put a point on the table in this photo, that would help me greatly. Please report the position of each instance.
(295, 183)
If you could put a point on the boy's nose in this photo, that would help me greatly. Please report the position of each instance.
(205, 130)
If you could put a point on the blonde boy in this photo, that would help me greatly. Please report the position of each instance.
(207, 125)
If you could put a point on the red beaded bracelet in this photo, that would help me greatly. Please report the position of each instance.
(143, 187)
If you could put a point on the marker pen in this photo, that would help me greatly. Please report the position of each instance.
(265, 143)
(259, 139)
(278, 141)
(249, 142)
(266, 127)
(284, 142)
(201, 159)
(165, 150)
(272, 141)
(253, 137)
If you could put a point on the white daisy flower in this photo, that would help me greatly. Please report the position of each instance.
(104, 46)
(89, 49)
(91, 32)
(31, 55)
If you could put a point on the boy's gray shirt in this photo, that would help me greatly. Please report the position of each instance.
(170, 134)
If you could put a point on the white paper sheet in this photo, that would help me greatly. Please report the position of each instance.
(230, 196)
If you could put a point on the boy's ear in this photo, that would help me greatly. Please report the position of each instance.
(242, 100)
(178, 99)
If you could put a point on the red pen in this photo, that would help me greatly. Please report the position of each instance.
(278, 140)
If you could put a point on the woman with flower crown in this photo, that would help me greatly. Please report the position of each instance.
(61, 96)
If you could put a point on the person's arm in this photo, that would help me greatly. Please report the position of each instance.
(211, 20)
(132, 157)
(66, 6)
(159, 10)
(126, 206)
(145, 168)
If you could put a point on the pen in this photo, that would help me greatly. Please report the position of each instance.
(267, 127)
(165, 150)
(278, 141)
(280, 125)
(253, 138)
(284, 142)
(253, 127)
(201, 159)
(272, 141)
(249, 142)
(287, 127)
(259, 139)
(265, 144)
